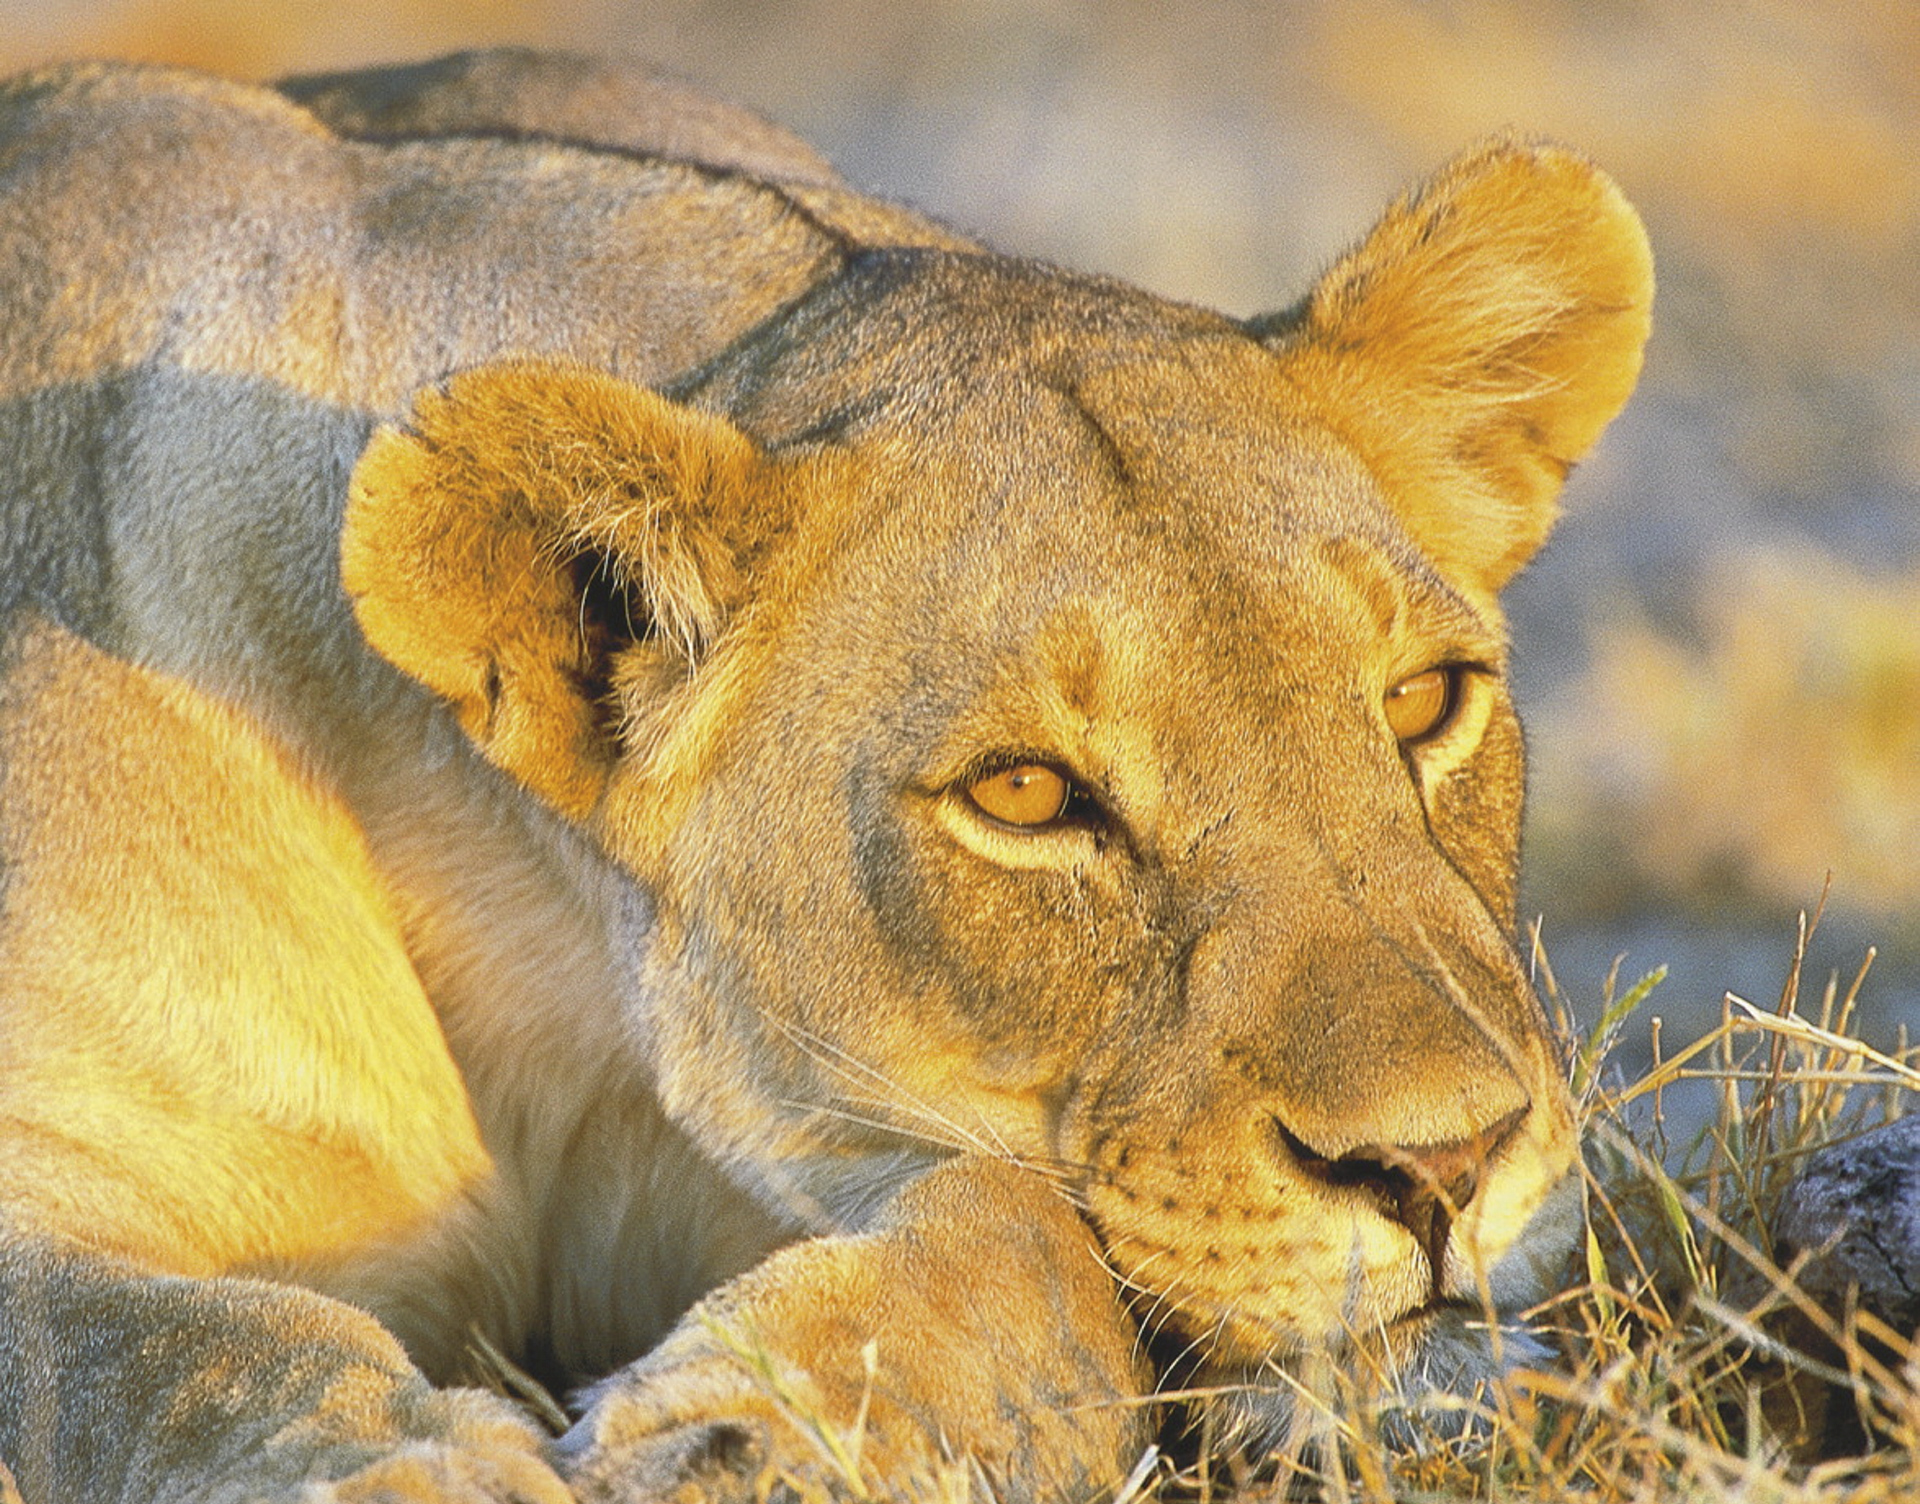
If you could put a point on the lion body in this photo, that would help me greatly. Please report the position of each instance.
(173, 601)
(499, 855)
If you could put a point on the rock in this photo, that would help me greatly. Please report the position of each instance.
(1855, 1211)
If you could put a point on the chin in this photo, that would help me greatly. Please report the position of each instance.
(1422, 1381)
(1422, 1377)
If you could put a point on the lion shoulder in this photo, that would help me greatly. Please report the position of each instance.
(598, 102)
(353, 237)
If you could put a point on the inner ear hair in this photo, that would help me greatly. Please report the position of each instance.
(613, 617)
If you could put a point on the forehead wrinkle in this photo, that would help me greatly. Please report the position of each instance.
(1074, 654)
(1104, 445)
(1405, 595)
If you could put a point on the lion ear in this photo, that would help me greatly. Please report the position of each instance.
(1476, 343)
(528, 523)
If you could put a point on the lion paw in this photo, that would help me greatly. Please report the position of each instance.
(704, 1436)
(431, 1474)
(454, 1447)
(970, 1332)
(702, 1462)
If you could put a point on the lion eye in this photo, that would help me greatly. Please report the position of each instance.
(1419, 706)
(1028, 795)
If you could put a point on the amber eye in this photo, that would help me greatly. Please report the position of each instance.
(1029, 795)
(1418, 707)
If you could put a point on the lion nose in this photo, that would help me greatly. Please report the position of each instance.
(1423, 1187)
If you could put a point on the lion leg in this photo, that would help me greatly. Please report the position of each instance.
(118, 1385)
(214, 1057)
(974, 1327)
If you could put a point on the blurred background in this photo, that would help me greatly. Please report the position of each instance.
(1719, 654)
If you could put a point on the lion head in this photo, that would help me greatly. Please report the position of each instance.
(1042, 720)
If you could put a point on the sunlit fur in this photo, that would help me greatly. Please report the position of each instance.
(499, 625)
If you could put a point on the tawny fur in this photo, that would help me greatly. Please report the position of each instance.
(509, 575)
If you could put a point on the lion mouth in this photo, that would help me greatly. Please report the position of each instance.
(1435, 1308)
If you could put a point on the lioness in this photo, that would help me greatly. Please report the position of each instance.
(613, 748)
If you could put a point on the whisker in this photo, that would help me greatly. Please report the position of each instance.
(1144, 1330)
(1196, 1348)
(1127, 1282)
(849, 1115)
(852, 1069)
(874, 1093)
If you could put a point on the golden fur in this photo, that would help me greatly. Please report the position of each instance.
(511, 571)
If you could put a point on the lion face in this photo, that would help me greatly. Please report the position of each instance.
(1052, 723)
(1133, 875)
